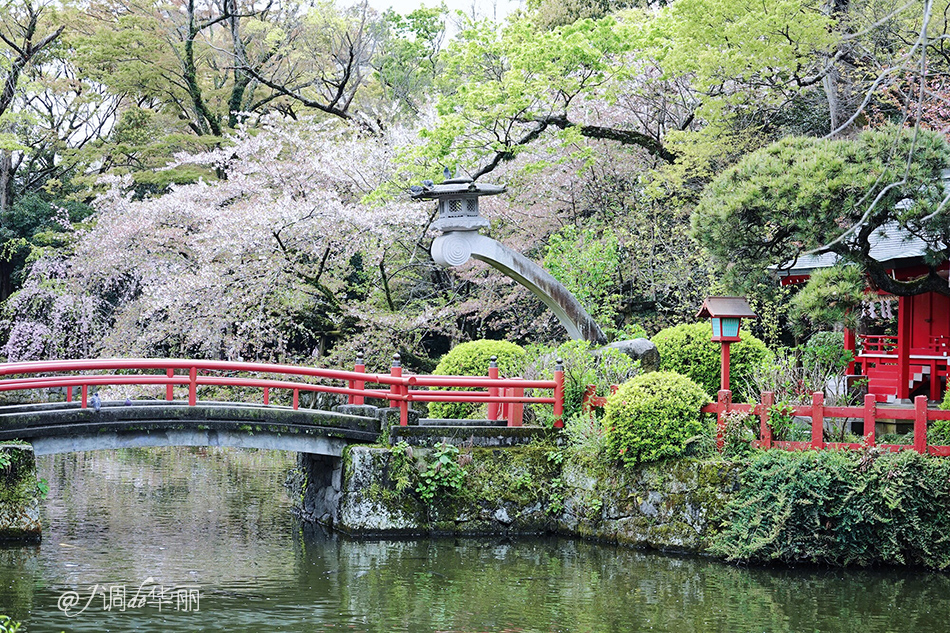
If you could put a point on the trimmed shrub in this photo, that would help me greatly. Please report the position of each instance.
(687, 349)
(652, 417)
(840, 507)
(472, 359)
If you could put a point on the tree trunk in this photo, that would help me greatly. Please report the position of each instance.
(6, 203)
(6, 181)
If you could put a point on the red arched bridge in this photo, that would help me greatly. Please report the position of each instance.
(80, 420)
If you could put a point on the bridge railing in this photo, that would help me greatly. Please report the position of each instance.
(505, 397)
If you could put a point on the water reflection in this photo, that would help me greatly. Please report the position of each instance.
(220, 520)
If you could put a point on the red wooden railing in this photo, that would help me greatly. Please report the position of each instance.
(505, 397)
(876, 344)
(870, 414)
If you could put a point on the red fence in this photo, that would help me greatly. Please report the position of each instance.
(869, 414)
(505, 397)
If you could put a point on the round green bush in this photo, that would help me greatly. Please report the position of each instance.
(472, 359)
(653, 417)
(688, 350)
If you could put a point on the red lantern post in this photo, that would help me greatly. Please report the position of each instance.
(725, 314)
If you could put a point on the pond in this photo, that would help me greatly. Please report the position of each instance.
(203, 540)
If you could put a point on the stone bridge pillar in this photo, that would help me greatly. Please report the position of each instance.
(315, 488)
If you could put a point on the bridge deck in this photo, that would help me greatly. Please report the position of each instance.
(65, 427)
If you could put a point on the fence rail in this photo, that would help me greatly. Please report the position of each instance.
(871, 413)
(505, 396)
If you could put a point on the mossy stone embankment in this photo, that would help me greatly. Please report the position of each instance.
(533, 489)
(19, 494)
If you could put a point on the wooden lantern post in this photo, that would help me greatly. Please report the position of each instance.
(726, 314)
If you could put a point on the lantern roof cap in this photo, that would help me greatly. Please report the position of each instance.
(717, 307)
(453, 187)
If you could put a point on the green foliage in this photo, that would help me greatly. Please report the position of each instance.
(583, 365)
(832, 296)
(842, 508)
(653, 417)
(444, 474)
(782, 422)
(8, 625)
(826, 350)
(472, 359)
(688, 349)
(738, 433)
(800, 193)
(587, 262)
(939, 431)
(408, 61)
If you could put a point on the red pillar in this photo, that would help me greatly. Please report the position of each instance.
(724, 382)
(170, 389)
(493, 391)
(360, 368)
(920, 424)
(904, 327)
(559, 394)
(723, 400)
(850, 344)
(817, 419)
(395, 389)
(870, 418)
(765, 429)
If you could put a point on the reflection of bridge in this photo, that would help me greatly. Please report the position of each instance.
(89, 423)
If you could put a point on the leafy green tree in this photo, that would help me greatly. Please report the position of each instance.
(587, 262)
(831, 297)
(806, 195)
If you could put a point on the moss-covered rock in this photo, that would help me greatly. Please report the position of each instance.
(19, 494)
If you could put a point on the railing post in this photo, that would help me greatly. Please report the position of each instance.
(516, 410)
(69, 393)
(920, 424)
(559, 394)
(396, 372)
(817, 419)
(192, 386)
(493, 391)
(586, 407)
(360, 368)
(870, 418)
(84, 396)
(170, 389)
(765, 428)
(296, 399)
(723, 400)
(266, 396)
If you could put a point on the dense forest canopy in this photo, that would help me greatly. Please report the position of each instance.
(227, 178)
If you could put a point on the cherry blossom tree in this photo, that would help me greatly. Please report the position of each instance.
(255, 266)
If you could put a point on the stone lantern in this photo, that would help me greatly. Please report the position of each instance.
(460, 241)
(458, 202)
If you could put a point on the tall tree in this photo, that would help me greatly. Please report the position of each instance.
(806, 195)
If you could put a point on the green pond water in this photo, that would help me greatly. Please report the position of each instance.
(203, 540)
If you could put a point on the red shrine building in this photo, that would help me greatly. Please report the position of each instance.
(902, 346)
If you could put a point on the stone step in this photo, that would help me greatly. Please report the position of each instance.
(460, 423)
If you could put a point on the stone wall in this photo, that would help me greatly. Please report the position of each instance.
(532, 489)
(19, 494)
